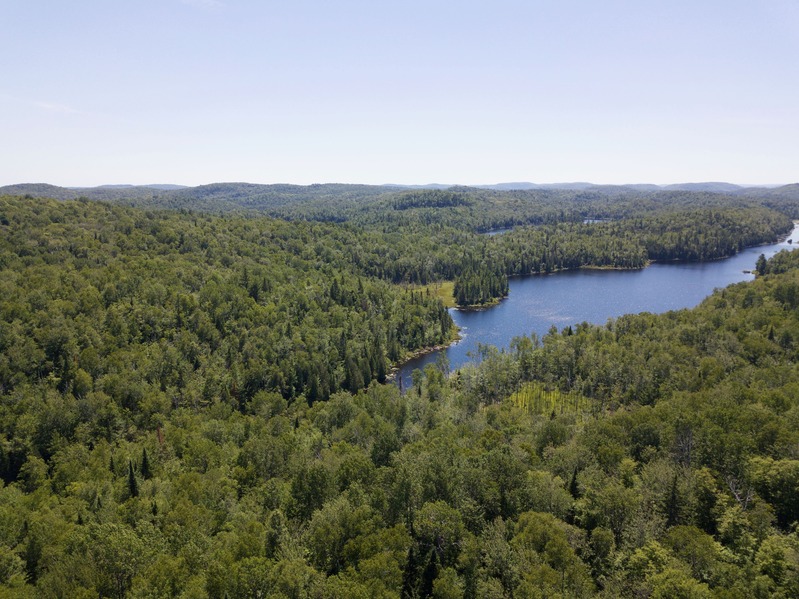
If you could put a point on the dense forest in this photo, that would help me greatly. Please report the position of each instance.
(193, 406)
(420, 236)
(480, 264)
(466, 208)
(155, 307)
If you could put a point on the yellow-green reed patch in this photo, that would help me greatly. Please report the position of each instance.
(537, 398)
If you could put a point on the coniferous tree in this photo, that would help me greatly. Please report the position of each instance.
(145, 465)
(410, 575)
(133, 485)
(760, 267)
(429, 575)
(673, 504)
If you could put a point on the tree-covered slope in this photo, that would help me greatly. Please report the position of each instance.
(109, 193)
(177, 308)
(475, 209)
(158, 438)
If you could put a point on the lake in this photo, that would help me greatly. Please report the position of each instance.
(537, 302)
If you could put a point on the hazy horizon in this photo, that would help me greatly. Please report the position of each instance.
(198, 91)
(390, 184)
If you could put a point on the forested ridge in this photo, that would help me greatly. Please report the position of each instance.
(468, 208)
(191, 406)
(420, 236)
(127, 299)
(480, 264)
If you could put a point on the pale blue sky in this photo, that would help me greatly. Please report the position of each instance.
(305, 91)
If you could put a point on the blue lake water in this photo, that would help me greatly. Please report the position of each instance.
(537, 302)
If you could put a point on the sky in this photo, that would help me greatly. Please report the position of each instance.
(381, 91)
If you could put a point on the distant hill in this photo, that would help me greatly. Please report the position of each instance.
(252, 197)
(216, 197)
(339, 201)
(40, 190)
(161, 186)
(511, 186)
(108, 193)
(101, 192)
(165, 186)
(424, 186)
(784, 191)
(527, 185)
(643, 187)
(715, 187)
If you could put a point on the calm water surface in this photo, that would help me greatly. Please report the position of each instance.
(537, 302)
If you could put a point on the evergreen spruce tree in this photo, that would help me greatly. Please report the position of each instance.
(673, 505)
(409, 576)
(133, 485)
(145, 465)
(760, 267)
(429, 575)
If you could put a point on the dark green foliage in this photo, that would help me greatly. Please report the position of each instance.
(429, 575)
(237, 361)
(145, 465)
(178, 310)
(410, 576)
(133, 484)
(425, 235)
(477, 286)
(760, 267)
(434, 198)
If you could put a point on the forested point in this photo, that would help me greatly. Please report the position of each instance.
(192, 406)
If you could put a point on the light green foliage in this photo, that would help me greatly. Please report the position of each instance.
(700, 551)
(548, 558)
(778, 558)
(335, 533)
(439, 527)
(190, 406)
(158, 310)
(675, 584)
(448, 585)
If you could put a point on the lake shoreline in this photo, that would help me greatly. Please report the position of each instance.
(589, 294)
(780, 239)
(418, 353)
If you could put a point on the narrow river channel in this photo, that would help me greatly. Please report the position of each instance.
(537, 302)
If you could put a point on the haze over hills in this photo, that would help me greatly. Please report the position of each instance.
(105, 192)
(162, 186)
(782, 191)
(39, 189)
(479, 209)
(711, 186)
(341, 202)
